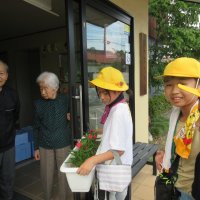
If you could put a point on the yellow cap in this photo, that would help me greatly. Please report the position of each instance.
(183, 67)
(194, 91)
(111, 79)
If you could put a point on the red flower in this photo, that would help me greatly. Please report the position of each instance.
(94, 136)
(78, 145)
(90, 136)
(85, 148)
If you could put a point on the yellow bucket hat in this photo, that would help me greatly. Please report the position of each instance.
(111, 79)
(183, 67)
(195, 91)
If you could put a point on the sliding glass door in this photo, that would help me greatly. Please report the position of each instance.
(99, 35)
(107, 45)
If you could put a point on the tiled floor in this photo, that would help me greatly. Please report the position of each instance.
(143, 184)
(18, 196)
(28, 182)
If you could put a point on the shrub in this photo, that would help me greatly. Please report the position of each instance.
(158, 110)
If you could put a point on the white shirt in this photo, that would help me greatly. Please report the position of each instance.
(118, 132)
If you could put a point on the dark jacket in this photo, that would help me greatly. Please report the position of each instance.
(196, 183)
(51, 128)
(9, 114)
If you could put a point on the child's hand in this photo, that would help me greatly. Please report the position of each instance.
(86, 167)
(37, 154)
(159, 160)
(99, 131)
(68, 116)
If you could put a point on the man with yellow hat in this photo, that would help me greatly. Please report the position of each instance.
(117, 124)
(183, 137)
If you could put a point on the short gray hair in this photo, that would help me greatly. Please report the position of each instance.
(4, 64)
(49, 79)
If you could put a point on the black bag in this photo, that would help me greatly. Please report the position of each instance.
(196, 183)
(164, 188)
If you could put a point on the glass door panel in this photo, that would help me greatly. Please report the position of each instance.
(107, 45)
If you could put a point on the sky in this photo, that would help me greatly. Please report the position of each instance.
(115, 34)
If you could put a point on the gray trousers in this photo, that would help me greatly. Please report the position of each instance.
(7, 174)
(50, 162)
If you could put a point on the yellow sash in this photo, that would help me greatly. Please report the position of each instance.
(183, 139)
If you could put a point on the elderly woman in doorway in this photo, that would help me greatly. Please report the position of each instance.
(51, 134)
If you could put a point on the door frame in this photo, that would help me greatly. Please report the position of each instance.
(110, 9)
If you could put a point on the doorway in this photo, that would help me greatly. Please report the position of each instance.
(99, 35)
(73, 39)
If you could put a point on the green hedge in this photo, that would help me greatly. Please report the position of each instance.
(159, 120)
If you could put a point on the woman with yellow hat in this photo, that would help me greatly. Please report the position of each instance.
(183, 137)
(117, 124)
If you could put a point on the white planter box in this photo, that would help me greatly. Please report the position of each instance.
(77, 183)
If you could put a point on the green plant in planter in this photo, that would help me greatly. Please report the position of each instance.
(85, 148)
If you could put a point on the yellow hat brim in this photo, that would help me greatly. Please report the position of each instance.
(173, 75)
(194, 91)
(99, 83)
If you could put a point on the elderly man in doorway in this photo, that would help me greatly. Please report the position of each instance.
(9, 115)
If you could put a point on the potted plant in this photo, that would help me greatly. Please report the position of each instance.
(84, 148)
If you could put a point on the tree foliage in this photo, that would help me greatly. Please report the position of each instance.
(176, 34)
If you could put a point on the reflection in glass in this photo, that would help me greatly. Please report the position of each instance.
(107, 45)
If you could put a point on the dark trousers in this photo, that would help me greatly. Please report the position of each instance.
(7, 174)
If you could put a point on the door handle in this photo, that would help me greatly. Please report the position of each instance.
(76, 97)
(78, 104)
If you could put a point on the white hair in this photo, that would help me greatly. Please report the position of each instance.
(4, 65)
(49, 79)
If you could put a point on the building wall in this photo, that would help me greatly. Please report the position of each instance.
(138, 10)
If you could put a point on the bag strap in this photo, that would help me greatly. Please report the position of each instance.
(174, 166)
(116, 157)
(96, 188)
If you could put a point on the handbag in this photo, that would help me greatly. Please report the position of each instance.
(164, 188)
(114, 178)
